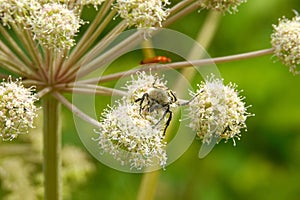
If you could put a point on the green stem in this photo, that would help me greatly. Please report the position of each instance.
(7, 63)
(148, 185)
(112, 53)
(30, 46)
(20, 53)
(52, 148)
(179, 6)
(89, 37)
(82, 46)
(185, 10)
(75, 110)
(94, 52)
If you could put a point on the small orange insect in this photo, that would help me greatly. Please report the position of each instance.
(156, 59)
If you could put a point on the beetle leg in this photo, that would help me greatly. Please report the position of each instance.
(168, 121)
(141, 100)
(168, 111)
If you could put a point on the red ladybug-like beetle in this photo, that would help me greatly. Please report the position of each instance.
(156, 59)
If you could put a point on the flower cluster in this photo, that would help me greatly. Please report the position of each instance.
(55, 26)
(16, 173)
(72, 163)
(130, 137)
(223, 6)
(285, 40)
(81, 2)
(143, 13)
(14, 12)
(75, 3)
(148, 83)
(27, 177)
(217, 110)
(91, 2)
(17, 109)
(52, 23)
(139, 85)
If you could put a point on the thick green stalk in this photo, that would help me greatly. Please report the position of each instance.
(148, 185)
(52, 148)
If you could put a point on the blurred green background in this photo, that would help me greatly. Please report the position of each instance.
(265, 164)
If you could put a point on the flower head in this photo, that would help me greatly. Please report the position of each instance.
(17, 109)
(130, 138)
(142, 83)
(285, 40)
(143, 13)
(153, 86)
(91, 2)
(72, 164)
(54, 26)
(217, 109)
(223, 6)
(135, 135)
(17, 11)
(75, 2)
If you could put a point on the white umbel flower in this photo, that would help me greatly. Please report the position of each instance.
(223, 6)
(285, 40)
(74, 2)
(130, 138)
(147, 83)
(91, 2)
(133, 137)
(144, 14)
(217, 111)
(141, 83)
(55, 26)
(17, 109)
(13, 12)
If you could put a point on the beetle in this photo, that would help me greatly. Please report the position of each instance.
(156, 59)
(158, 98)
